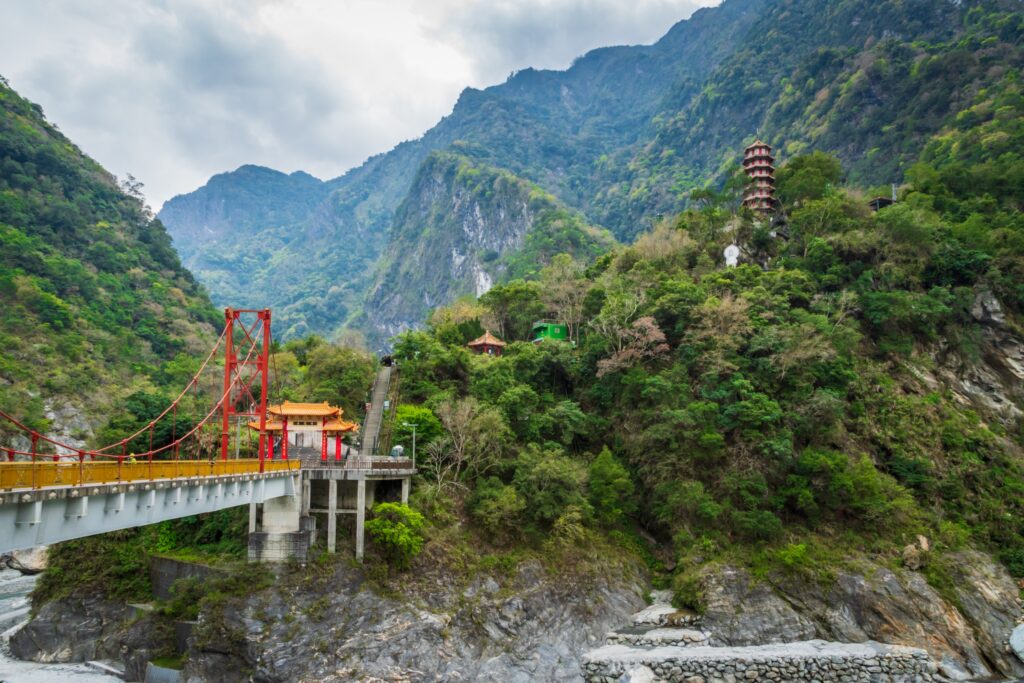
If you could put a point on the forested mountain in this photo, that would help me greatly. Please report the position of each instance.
(837, 415)
(626, 133)
(96, 303)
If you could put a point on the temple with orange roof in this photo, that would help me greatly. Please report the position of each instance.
(290, 421)
(487, 344)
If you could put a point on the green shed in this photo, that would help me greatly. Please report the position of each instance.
(543, 329)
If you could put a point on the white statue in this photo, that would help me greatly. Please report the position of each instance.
(732, 255)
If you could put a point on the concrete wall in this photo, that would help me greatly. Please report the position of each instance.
(280, 547)
(164, 571)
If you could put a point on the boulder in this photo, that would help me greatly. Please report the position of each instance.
(987, 309)
(1017, 642)
(912, 559)
(30, 561)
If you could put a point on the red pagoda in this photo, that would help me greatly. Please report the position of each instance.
(759, 165)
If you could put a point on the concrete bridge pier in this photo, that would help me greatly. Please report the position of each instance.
(281, 532)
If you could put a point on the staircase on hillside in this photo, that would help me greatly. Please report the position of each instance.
(371, 426)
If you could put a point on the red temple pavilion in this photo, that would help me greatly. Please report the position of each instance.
(488, 344)
(291, 422)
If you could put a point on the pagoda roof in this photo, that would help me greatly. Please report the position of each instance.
(758, 143)
(290, 409)
(487, 339)
(332, 425)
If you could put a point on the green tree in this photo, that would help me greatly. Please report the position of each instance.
(428, 427)
(514, 306)
(611, 489)
(551, 482)
(339, 375)
(498, 508)
(807, 177)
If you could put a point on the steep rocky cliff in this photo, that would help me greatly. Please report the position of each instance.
(463, 227)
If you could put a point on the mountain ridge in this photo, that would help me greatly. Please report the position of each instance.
(625, 133)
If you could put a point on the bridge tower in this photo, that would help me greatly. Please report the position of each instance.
(240, 375)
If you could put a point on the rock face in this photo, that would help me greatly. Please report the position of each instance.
(456, 232)
(1017, 642)
(992, 383)
(79, 630)
(527, 627)
(642, 653)
(875, 604)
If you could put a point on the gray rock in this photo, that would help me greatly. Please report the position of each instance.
(1017, 641)
(536, 629)
(639, 674)
(30, 561)
(987, 309)
(80, 630)
(741, 611)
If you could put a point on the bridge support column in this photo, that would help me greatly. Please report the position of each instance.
(406, 485)
(306, 495)
(360, 516)
(281, 536)
(252, 518)
(332, 515)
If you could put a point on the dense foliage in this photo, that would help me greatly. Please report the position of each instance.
(765, 410)
(95, 302)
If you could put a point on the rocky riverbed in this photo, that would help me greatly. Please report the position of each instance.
(14, 590)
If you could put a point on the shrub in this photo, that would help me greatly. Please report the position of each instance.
(497, 507)
(396, 529)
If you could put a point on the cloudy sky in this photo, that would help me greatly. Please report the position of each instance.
(173, 91)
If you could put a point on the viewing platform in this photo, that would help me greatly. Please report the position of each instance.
(331, 488)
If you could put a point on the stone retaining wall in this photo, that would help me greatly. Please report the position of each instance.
(814, 660)
(658, 637)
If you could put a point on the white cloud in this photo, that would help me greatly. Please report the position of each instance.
(174, 91)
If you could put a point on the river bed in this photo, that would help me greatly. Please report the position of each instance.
(14, 591)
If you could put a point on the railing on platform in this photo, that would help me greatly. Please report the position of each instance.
(29, 475)
(363, 462)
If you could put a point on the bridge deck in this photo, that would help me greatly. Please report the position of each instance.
(29, 475)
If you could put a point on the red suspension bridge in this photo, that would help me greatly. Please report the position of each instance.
(197, 446)
(177, 464)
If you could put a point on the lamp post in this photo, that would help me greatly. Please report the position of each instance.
(413, 425)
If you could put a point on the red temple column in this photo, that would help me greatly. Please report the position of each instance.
(284, 437)
(323, 440)
(270, 446)
(337, 447)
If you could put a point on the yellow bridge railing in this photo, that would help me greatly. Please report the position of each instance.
(26, 475)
